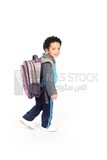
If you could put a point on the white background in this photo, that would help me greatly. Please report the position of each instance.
(81, 117)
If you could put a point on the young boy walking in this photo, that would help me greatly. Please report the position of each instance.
(51, 47)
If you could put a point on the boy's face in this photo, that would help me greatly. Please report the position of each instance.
(54, 49)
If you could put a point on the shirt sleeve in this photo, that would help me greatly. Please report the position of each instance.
(48, 77)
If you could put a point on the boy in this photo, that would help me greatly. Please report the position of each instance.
(51, 47)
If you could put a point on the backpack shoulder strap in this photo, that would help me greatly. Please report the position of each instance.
(44, 60)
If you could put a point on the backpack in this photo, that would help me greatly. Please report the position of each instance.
(31, 73)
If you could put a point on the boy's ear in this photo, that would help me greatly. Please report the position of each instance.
(46, 50)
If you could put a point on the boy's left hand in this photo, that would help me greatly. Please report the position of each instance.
(54, 96)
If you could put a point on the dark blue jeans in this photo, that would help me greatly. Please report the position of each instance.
(41, 105)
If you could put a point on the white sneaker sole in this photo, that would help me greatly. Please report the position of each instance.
(48, 130)
(27, 124)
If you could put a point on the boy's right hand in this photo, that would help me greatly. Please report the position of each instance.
(54, 96)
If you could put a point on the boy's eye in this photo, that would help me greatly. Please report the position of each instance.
(54, 49)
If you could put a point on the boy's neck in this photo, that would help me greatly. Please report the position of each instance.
(48, 56)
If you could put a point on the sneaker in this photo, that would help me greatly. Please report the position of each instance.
(29, 124)
(49, 129)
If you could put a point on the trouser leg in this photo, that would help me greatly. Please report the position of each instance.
(47, 113)
(34, 111)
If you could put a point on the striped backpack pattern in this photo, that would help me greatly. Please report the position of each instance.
(30, 73)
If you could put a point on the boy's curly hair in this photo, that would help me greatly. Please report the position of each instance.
(50, 40)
